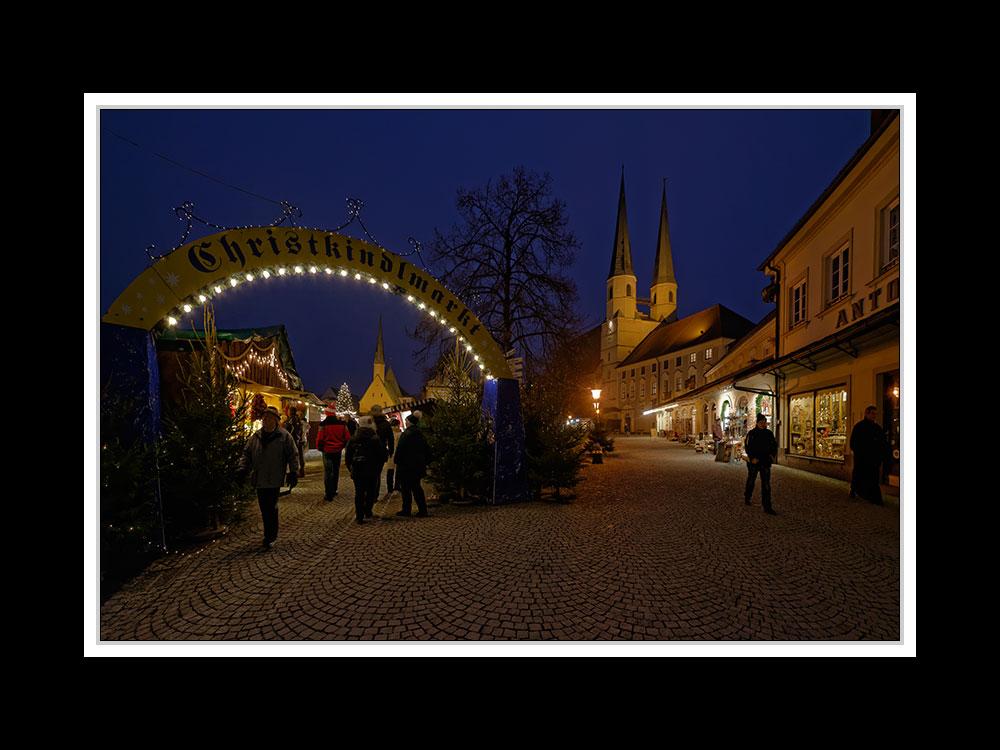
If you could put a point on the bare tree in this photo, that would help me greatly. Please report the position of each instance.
(506, 259)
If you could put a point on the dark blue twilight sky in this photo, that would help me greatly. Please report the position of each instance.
(738, 179)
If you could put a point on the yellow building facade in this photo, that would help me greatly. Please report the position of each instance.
(836, 285)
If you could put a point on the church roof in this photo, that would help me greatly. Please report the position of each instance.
(663, 265)
(701, 327)
(621, 253)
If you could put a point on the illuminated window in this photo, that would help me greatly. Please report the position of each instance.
(708, 354)
(818, 423)
(652, 387)
(694, 356)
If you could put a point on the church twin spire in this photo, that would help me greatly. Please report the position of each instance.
(621, 276)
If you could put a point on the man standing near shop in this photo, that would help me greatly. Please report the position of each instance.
(412, 457)
(761, 450)
(272, 459)
(868, 444)
(717, 436)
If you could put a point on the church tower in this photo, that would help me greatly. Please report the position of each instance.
(663, 291)
(621, 278)
(624, 326)
(384, 390)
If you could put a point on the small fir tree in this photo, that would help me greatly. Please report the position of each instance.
(457, 435)
(203, 440)
(345, 401)
(599, 439)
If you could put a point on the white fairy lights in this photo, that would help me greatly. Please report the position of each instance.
(282, 271)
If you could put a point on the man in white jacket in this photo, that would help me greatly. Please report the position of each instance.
(272, 459)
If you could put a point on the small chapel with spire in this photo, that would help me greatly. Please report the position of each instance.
(384, 390)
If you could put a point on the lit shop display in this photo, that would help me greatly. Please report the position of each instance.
(819, 423)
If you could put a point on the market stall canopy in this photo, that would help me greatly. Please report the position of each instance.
(276, 334)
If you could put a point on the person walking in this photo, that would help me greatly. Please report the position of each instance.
(268, 453)
(411, 458)
(365, 454)
(761, 450)
(390, 465)
(331, 440)
(384, 432)
(868, 444)
(294, 425)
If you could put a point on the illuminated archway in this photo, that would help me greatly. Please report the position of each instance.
(179, 283)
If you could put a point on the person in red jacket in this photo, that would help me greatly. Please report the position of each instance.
(330, 441)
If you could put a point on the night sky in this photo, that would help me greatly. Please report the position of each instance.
(738, 179)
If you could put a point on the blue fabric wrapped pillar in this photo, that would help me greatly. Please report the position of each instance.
(130, 374)
(502, 411)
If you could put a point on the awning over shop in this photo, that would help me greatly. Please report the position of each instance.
(305, 396)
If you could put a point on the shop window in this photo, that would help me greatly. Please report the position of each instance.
(797, 305)
(819, 424)
(890, 234)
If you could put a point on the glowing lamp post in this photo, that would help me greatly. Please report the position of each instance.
(597, 454)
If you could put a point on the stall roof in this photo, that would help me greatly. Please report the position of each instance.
(278, 333)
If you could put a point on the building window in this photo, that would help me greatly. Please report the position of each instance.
(694, 356)
(838, 274)
(818, 423)
(623, 374)
(652, 367)
(642, 389)
(623, 391)
(628, 290)
(680, 382)
(708, 354)
(642, 370)
(610, 292)
(670, 296)
(890, 234)
(652, 387)
(798, 304)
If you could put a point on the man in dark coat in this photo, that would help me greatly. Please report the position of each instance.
(868, 444)
(271, 459)
(761, 449)
(364, 456)
(412, 457)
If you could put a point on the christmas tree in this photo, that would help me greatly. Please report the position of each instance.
(345, 401)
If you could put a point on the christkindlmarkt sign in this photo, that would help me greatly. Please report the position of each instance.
(174, 286)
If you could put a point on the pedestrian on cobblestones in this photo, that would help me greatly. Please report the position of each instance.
(330, 441)
(869, 446)
(390, 465)
(268, 453)
(412, 457)
(365, 455)
(761, 450)
(384, 432)
(298, 428)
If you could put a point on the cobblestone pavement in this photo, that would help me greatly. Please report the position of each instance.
(657, 545)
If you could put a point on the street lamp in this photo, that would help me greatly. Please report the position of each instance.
(596, 393)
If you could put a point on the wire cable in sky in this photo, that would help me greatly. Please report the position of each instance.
(189, 169)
